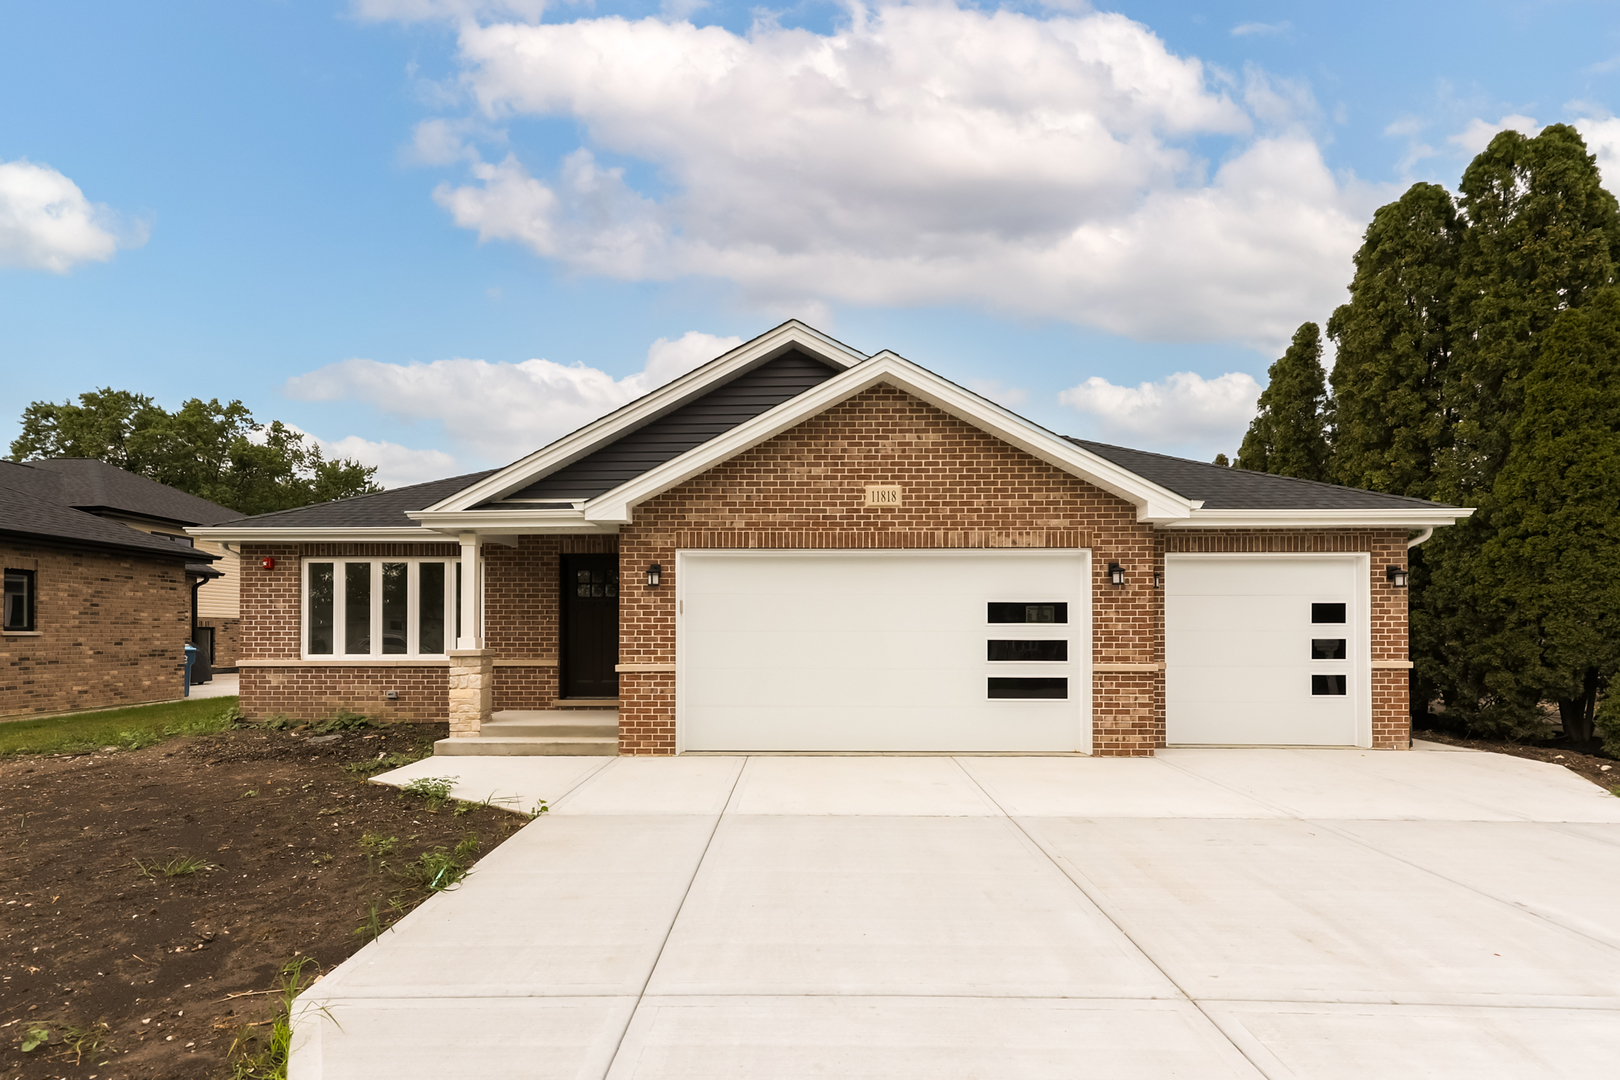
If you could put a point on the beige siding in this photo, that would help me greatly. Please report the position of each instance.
(218, 599)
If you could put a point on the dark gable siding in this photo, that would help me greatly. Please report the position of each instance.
(693, 424)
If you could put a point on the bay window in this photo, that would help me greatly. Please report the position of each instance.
(378, 607)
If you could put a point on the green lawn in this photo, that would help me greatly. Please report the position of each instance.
(126, 729)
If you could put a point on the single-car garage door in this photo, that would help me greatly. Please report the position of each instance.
(1267, 650)
(866, 651)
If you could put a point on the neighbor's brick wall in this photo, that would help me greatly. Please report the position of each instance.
(308, 691)
(963, 489)
(227, 639)
(1391, 720)
(522, 593)
(112, 631)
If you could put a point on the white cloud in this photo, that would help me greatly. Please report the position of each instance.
(1258, 29)
(1184, 410)
(500, 411)
(1479, 133)
(1603, 139)
(397, 465)
(919, 155)
(46, 223)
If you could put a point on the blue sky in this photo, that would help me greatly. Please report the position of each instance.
(437, 233)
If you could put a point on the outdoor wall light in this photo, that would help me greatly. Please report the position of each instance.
(1397, 576)
(1158, 581)
(655, 574)
(1116, 573)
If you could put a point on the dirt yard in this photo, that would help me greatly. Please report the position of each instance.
(94, 931)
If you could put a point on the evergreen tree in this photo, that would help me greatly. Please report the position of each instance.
(217, 452)
(1394, 344)
(1289, 435)
(1541, 238)
(1551, 567)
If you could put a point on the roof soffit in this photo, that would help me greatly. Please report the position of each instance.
(1153, 503)
(792, 334)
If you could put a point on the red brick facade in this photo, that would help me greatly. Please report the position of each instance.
(110, 629)
(806, 489)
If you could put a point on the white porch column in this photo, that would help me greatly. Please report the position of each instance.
(472, 667)
(471, 580)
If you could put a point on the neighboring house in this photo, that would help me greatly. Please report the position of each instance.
(798, 547)
(95, 613)
(107, 491)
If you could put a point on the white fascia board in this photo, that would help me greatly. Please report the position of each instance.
(1416, 517)
(514, 522)
(317, 536)
(667, 398)
(1153, 503)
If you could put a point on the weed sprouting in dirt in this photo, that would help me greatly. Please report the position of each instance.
(178, 866)
(438, 869)
(434, 790)
(383, 762)
(377, 847)
(79, 1041)
(35, 1038)
(342, 720)
(256, 1058)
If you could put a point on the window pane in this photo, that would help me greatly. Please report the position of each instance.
(1327, 648)
(1028, 650)
(1327, 613)
(1328, 685)
(19, 600)
(394, 611)
(1029, 613)
(357, 608)
(1029, 688)
(319, 604)
(430, 626)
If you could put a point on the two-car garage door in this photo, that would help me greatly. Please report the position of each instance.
(870, 651)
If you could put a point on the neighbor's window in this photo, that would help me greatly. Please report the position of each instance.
(19, 601)
(376, 607)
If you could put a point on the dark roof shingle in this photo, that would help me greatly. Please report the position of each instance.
(382, 510)
(93, 485)
(26, 514)
(1223, 488)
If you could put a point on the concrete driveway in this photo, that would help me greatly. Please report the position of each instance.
(1204, 914)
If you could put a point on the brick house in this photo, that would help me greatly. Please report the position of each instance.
(95, 613)
(797, 547)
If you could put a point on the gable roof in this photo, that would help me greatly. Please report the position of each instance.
(592, 480)
(23, 513)
(97, 487)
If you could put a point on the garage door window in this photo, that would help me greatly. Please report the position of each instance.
(1327, 648)
(1327, 613)
(1024, 651)
(1029, 613)
(1328, 685)
(1029, 689)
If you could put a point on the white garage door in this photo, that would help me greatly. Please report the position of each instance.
(1267, 650)
(937, 650)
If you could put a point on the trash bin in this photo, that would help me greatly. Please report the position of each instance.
(191, 656)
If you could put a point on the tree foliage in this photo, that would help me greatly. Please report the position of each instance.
(217, 452)
(1289, 435)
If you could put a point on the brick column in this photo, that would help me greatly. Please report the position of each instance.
(472, 691)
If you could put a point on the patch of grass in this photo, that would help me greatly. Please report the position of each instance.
(253, 1057)
(385, 762)
(179, 866)
(438, 869)
(124, 729)
(433, 790)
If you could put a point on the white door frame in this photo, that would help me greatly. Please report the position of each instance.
(1080, 613)
(1362, 645)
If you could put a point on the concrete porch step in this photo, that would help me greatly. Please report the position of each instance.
(547, 723)
(527, 746)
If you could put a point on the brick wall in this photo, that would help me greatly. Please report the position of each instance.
(111, 630)
(269, 630)
(522, 594)
(227, 640)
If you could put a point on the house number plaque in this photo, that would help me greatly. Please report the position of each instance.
(882, 495)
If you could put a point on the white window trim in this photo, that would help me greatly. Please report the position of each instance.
(413, 607)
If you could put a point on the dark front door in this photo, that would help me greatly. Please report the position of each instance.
(590, 626)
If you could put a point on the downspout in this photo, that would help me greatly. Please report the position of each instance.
(195, 585)
(1419, 538)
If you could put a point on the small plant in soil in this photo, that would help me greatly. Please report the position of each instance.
(179, 866)
(340, 721)
(255, 1058)
(80, 1041)
(434, 790)
(384, 761)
